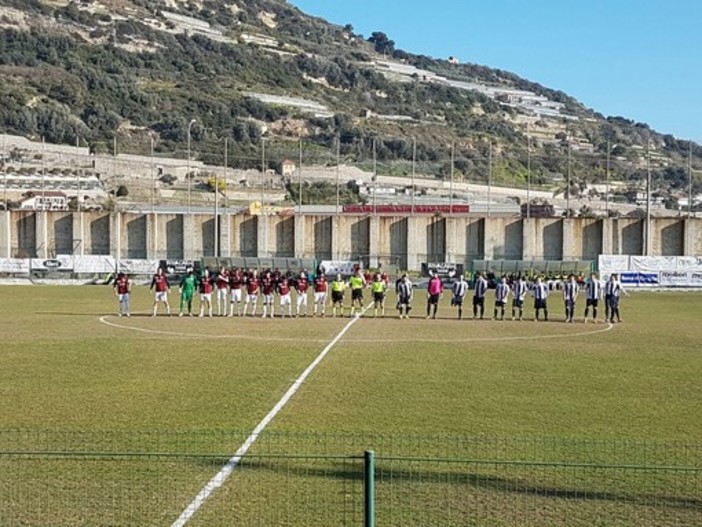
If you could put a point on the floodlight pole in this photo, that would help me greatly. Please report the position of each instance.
(528, 181)
(187, 176)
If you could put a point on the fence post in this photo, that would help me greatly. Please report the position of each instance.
(369, 488)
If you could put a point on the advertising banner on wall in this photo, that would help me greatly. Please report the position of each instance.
(613, 263)
(652, 264)
(680, 279)
(59, 263)
(634, 279)
(333, 267)
(14, 266)
(446, 271)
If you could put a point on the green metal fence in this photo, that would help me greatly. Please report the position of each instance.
(114, 478)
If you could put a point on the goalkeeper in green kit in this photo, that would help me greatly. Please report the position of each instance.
(187, 289)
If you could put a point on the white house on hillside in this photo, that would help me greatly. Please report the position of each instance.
(47, 200)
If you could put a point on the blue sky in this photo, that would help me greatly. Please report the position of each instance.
(640, 59)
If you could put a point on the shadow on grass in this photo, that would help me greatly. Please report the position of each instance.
(388, 476)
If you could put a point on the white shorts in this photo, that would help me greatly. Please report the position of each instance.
(205, 297)
(320, 298)
(302, 299)
(222, 295)
(235, 295)
(251, 299)
(285, 300)
(161, 296)
(268, 299)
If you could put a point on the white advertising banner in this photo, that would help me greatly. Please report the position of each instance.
(680, 278)
(613, 263)
(131, 266)
(690, 263)
(59, 263)
(675, 278)
(14, 266)
(652, 264)
(100, 264)
(332, 267)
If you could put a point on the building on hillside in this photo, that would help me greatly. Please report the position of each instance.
(454, 60)
(47, 200)
(287, 168)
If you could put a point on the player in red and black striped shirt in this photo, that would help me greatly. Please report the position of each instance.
(159, 284)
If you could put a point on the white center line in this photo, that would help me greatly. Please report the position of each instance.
(221, 477)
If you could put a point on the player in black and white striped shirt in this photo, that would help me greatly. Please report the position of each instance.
(593, 292)
(540, 292)
(570, 296)
(459, 290)
(501, 295)
(519, 292)
(479, 290)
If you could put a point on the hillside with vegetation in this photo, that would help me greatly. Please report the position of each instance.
(138, 71)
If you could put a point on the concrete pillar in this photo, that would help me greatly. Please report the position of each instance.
(530, 239)
(189, 237)
(607, 228)
(374, 241)
(6, 234)
(337, 237)
(263, 231)
(570, 252)
(453, 251)
(115, 234)
(413, 243)
(42, 234)
(300, 221)
(491, 228)
(689, 237)
(225, 235)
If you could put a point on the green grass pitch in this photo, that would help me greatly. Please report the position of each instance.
(64, 370)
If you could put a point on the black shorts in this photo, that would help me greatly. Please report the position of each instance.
(357, 294)
(337, 297)
(457, 301)
(403, 300)
(519, 304)
(434, 299)
(592, 302)
(378, 297)
(613, 301)
(478, 301)
(500, 304)
(540, 304)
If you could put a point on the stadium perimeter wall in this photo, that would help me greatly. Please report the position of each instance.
(402, 241)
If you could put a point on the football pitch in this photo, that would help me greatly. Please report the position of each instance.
(78, 381)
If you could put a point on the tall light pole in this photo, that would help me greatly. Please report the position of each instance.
(78, 174)
(338, 171)
(609, 153)
(43, 174)
(414, 170)
(226, 174)
(187, 175)
(648, 198)
(299, 181)
(689, 180)
(568, 180)
(153, 175)
(263, 170)
(5, 159)
(375, 175)
(453, 163)
(489, 196)
(528, 181)
(216, 215)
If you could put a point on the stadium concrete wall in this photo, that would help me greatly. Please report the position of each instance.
(403, 241)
